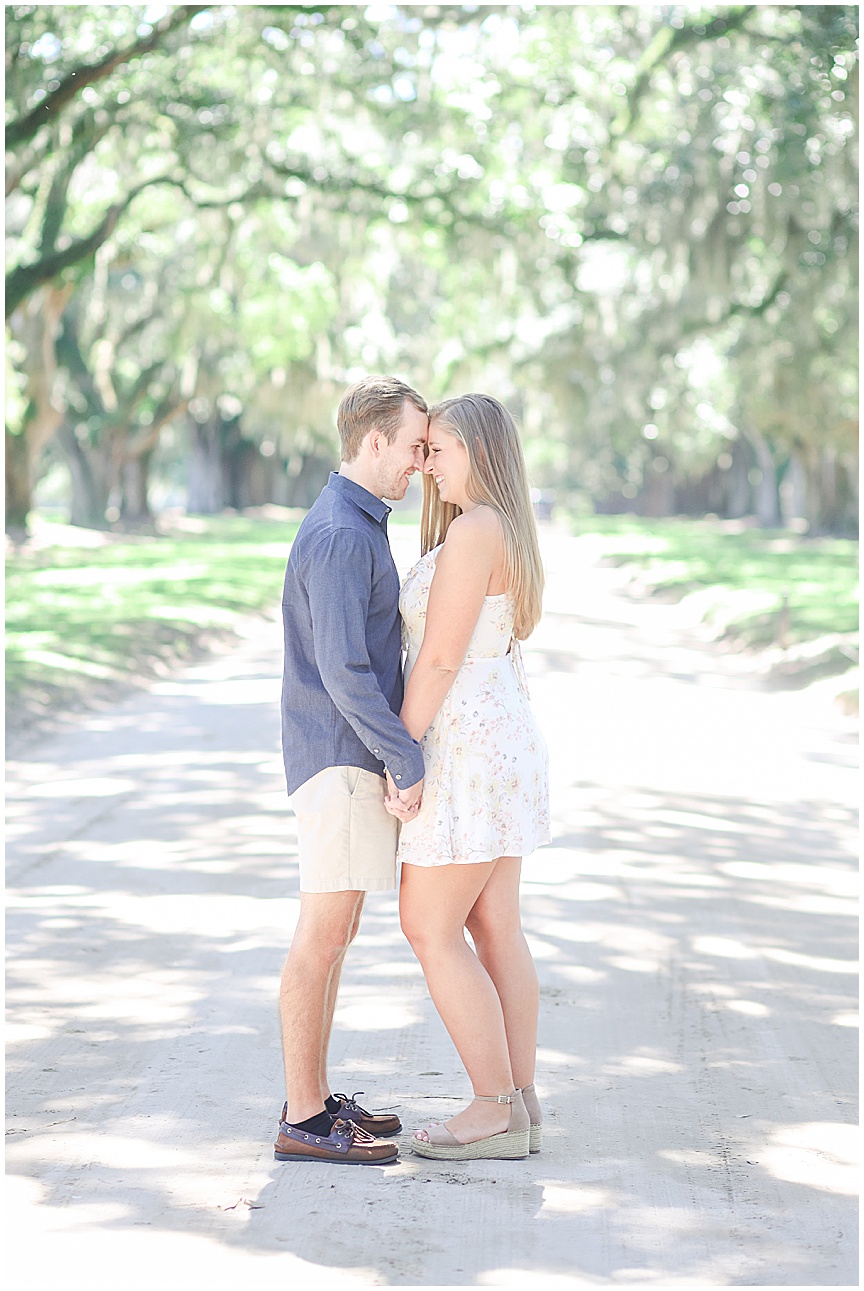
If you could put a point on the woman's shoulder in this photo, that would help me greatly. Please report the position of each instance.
(474, 540)
(480, 525)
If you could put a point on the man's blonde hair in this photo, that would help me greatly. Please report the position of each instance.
(497, 478)
(375, 403)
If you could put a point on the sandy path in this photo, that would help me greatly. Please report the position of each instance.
(693, 930)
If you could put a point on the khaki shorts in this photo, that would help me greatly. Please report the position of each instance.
(346, 837)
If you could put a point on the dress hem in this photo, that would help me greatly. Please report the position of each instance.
(516, 850)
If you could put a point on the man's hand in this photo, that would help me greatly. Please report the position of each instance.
(403, 803)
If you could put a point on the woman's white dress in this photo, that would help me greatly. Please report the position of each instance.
(485, 792)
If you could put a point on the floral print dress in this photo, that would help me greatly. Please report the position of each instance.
(485, 792)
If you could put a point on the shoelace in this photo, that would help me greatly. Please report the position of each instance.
(351, 1104)
(354, 1131)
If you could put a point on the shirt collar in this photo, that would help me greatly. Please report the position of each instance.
(366, 501)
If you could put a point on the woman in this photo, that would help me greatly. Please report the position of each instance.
(466, 604)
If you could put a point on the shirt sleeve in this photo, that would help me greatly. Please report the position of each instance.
(338, 578)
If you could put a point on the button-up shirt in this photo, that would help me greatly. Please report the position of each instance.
(342, 680)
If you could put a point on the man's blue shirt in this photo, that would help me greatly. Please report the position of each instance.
(342, 679)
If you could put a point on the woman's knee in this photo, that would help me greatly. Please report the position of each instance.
(413, 927)
(493, 931)
(427, 935)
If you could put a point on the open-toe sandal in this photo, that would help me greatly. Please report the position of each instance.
(510, 1145)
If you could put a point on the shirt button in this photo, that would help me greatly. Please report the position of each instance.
(398, 777)
(376, 750)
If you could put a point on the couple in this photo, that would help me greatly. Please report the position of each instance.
(440, 768)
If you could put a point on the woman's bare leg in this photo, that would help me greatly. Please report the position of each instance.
(434, 904)
(496, 927)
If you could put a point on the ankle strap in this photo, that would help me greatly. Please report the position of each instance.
(496, 1098)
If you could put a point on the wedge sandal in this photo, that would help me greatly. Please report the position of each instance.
(513, 1144)
(532, 1107)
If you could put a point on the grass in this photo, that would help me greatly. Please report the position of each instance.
(757, 588)
(83, 620)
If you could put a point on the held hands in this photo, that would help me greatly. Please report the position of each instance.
(403, 803)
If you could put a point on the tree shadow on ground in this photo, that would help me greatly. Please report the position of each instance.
(694, 962)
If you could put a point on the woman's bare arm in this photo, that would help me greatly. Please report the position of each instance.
(470, 555)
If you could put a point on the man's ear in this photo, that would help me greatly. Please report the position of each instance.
(377, 442)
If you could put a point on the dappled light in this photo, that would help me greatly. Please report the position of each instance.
(637, 227)
(690, 923)
(817, 1155)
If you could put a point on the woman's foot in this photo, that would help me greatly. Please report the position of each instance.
(477, 1121)
(492, 1137)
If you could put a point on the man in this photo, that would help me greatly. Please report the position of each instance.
(342, 691)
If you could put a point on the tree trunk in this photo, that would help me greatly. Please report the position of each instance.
(767, 486)
(812, 488)
(307, 480)
(830, 493)
(35, 326)
(246, 486)
(847, 510)
(91, 483)
(19, 486)
(828, 509)
(793, 490)
(206, 482)
(739, 490)
(657, 496)
(134, 483)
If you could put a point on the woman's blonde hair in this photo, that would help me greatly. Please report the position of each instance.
(496, 478)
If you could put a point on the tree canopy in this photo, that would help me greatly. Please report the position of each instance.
(635, 224)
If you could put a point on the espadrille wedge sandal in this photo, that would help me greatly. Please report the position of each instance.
(535, 1117)
(511, 1145)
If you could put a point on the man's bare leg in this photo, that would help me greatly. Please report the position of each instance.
(330, 1000)
(307, 998)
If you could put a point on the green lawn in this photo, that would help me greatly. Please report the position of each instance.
(83, 619)
(742, 578)
(80, 620)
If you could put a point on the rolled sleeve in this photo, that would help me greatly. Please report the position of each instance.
(338, 576)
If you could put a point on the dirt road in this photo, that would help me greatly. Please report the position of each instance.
(693, 928)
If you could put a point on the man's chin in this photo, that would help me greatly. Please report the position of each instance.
(396, 492)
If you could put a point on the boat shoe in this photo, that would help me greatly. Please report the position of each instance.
(375, 1123)
(346, 1144)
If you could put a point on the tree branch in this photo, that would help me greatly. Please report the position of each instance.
(26, 278)
(134, 328)
(20, 131)
(139, 389)
(85, 137)
(171, 406)
(682, 331)
(669, 41)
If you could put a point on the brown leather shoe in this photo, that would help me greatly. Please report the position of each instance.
(346, 1144)
(371, 1122)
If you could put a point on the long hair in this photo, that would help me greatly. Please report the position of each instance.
(496, 478)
